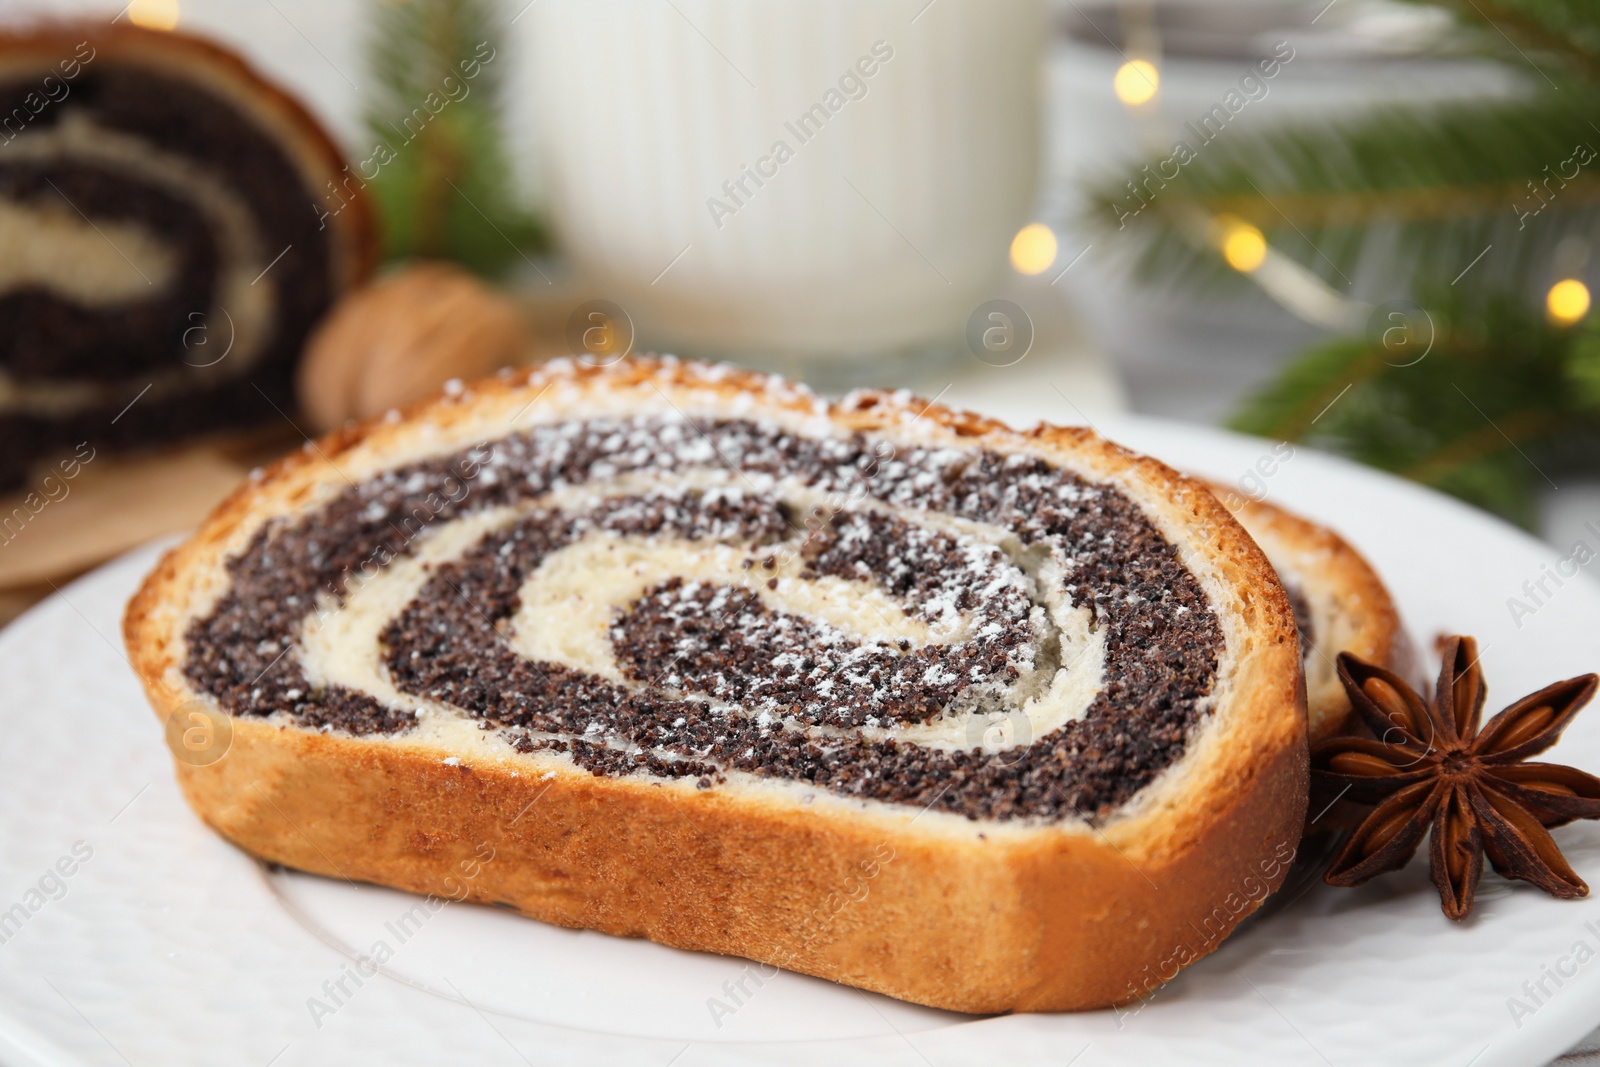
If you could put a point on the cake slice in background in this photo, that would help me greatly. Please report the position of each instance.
(1340, 604)
(171, 227)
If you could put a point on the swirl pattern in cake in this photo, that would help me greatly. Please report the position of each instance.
(653, 595)
(167, 248)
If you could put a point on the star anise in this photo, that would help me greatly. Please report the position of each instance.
(1429, 764)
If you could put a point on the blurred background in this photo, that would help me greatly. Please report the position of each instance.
(1360, 224)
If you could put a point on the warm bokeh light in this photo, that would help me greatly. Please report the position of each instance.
(154, 14)
(1136, 82)
(1567, 301)
(1033, 249)
(1243, 246)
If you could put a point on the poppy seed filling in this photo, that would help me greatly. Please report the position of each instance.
(720, 676)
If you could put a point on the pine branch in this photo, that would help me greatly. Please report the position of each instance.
(1583, 368)
(443, 178)
(1416, 200)
(1486, 442)
(1488, 414)
(1288, 408)
(1373, 207)
(1567, 31)
(1421, 186)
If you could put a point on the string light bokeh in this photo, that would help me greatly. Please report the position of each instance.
(1136, 82)
(1033, 249)
(154, 14)
(1567, 301)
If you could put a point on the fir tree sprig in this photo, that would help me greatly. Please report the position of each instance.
(1418, 189)
(1410, 202)
(1479, 401)
(443, 178)
(1563, 31)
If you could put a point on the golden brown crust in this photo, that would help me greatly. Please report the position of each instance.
(226, 72)
(979, 917)
(1356, 602)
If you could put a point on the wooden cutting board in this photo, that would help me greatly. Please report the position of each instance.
(115, 505)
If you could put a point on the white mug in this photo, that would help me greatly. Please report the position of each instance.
(821, 184)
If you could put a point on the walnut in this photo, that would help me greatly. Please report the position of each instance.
(403, 337)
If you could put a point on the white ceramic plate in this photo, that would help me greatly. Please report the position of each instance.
(166, 946)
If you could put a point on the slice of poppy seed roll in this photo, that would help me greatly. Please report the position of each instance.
(875, 690)
(167, 239)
